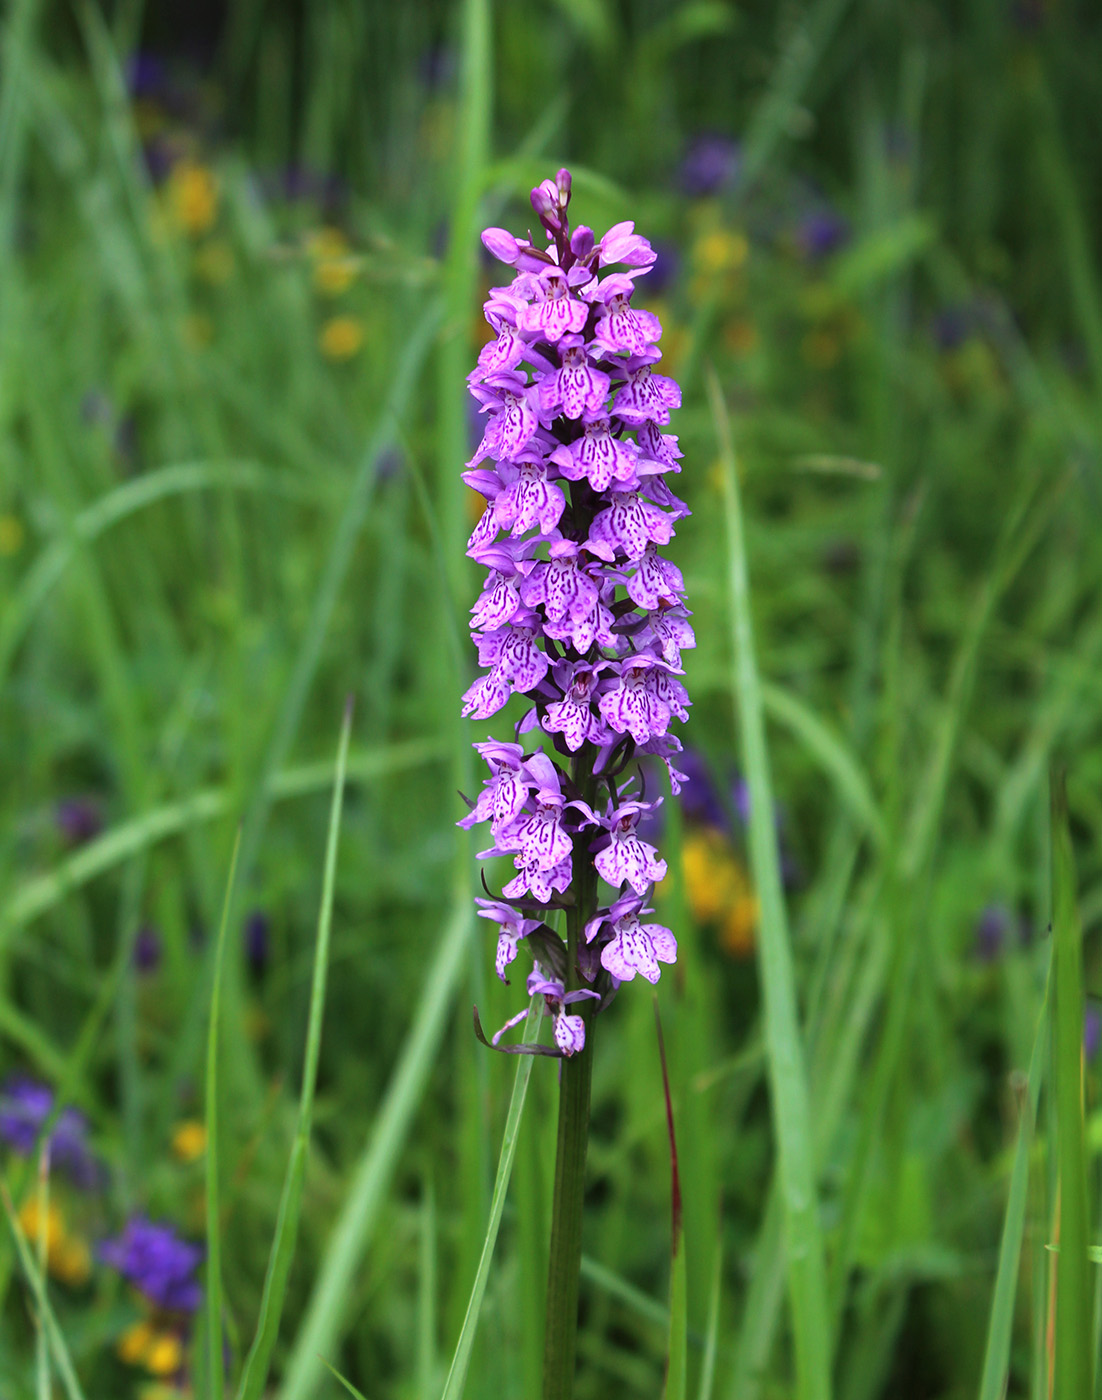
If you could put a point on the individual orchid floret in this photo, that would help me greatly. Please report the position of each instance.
(563, 585)
(515, 420)
(646, 396)
(539, 836)
(500, 600)
(632, 705)
(568, 1030)
(556, 313)
(668, 631)
(530, 499)
(506, 789)
(628, 526)
(628, 859)
(621, 327)
(576, 388)
(597, 456)
(656, 582)
(633, 947)
(512, 927)
(621, 244)
(574, 716)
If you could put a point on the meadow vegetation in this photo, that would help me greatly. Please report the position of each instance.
(240, 291)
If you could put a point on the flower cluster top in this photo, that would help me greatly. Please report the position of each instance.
(579, 612)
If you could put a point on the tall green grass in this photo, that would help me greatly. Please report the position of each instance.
(888, 1170)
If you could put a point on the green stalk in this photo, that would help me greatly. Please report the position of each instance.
(1074, 1285)
(564, 1269)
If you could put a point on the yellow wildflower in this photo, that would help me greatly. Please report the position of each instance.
(134, 1344)
(12, 535)
(719, 889)
(189, 1141)
(335, 267)
(165, 1354)
(30, 1222)
(740, 924)
(328, 242)
(73, 1262)
(332, 276)
(341, 338)
(67, 1256)
(192, 197)
(721, 250)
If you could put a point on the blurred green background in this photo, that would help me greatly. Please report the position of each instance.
(240, 288)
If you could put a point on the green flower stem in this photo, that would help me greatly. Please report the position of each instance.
(560, 1337)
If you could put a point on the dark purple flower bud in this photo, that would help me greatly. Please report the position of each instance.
(502, 244)
(147, 949)
(821, 232)
(78, 819)
(581, 242)
(545, 203)
(992, 929)
(1092, 1031)
(257, 935)
(952, 326)
(145, 75)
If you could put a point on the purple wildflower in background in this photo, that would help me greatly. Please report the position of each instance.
(258, 940)
(24, 1107)
(1092, 1031)
(148, 949)
(157, 1263)
(992, 930)
(580, 613)
(78, 819)
(821, 232)
(710, 163)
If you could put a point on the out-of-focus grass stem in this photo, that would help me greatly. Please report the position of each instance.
(787, 1072)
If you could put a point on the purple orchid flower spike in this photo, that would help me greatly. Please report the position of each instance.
(581, 613)
(583, 616)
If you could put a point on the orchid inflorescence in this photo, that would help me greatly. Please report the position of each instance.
(579, 612)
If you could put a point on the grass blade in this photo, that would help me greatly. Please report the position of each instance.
(214, 1225)
(833, 755)
(457, 1373)
(677, 1358)
(62, 1360)
(996, 1361)
(346, 1383)
(787, 1072)
(255, 1374)
(711, 1336)
(38, 895)
(353, 1228)
(1074, 1285)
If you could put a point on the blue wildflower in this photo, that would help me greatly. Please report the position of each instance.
(156, 1262)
